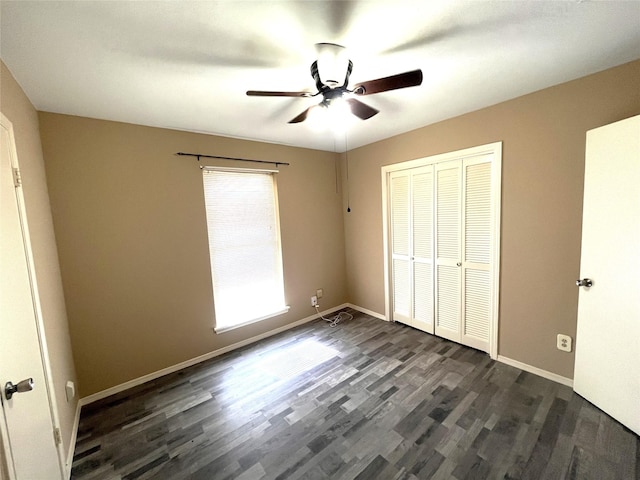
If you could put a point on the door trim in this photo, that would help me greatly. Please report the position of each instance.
(494, 149)
(44, 353)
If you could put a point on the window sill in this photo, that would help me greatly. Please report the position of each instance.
(226, 328)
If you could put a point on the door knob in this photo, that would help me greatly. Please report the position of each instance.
(20, 387)
(585, 282)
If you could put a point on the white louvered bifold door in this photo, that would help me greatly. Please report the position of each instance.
(443, 218)
(476, 252)
(422, 243)
(400, 246)
(411, 193)
(448, 249)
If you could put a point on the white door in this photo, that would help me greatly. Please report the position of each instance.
(411, 212)
(27, 424)
(477, 242)
(400, 248)
(422, 248)
(607, 368)
(448, 185)
(464, 241)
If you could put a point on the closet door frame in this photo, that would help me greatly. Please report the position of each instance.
(493, 149)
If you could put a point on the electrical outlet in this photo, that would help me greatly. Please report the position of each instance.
(564, 343)
(319, 293)
(314, 301)
(70, 390)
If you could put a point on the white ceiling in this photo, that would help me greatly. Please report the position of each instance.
(186, 65)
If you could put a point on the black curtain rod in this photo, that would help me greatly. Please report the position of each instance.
(198, 155)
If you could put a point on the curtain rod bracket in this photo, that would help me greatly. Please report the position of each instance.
(199, 155)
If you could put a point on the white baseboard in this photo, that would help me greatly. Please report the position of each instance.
(509, 361)
(188, 363)
(537, 371)
(368, 312)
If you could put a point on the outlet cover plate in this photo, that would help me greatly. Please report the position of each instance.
(70, 390)
(564, 342)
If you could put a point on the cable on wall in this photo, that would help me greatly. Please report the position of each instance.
(202, 155)
(346, 156)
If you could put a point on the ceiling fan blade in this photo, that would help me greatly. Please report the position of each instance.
(261, 93)
(361, 110)
(402, 80)
(303, 116)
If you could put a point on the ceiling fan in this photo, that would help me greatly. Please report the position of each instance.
(331, 64)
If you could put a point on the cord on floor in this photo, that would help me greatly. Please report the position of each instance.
(334, 320)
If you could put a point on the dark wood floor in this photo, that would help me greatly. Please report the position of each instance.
(367, 399)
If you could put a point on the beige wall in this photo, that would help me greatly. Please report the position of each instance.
(543, 137)
(133, 243)
(18, 109)
(132, 238)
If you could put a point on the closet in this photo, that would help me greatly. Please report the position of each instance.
(441, 219)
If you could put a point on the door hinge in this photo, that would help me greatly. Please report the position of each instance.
(17, 178)
(57, 436)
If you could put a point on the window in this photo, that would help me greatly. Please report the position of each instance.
(244, 245)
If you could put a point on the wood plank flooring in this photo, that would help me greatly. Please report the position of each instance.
(364, 400)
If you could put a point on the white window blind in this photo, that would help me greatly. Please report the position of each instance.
(244, 246)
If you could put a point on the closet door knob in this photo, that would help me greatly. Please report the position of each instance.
(459, 264)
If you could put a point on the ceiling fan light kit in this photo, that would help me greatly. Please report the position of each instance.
(332, 64)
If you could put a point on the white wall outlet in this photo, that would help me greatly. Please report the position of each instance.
(70, 390)
(319, 293)
(314, 301)
(564, 343)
